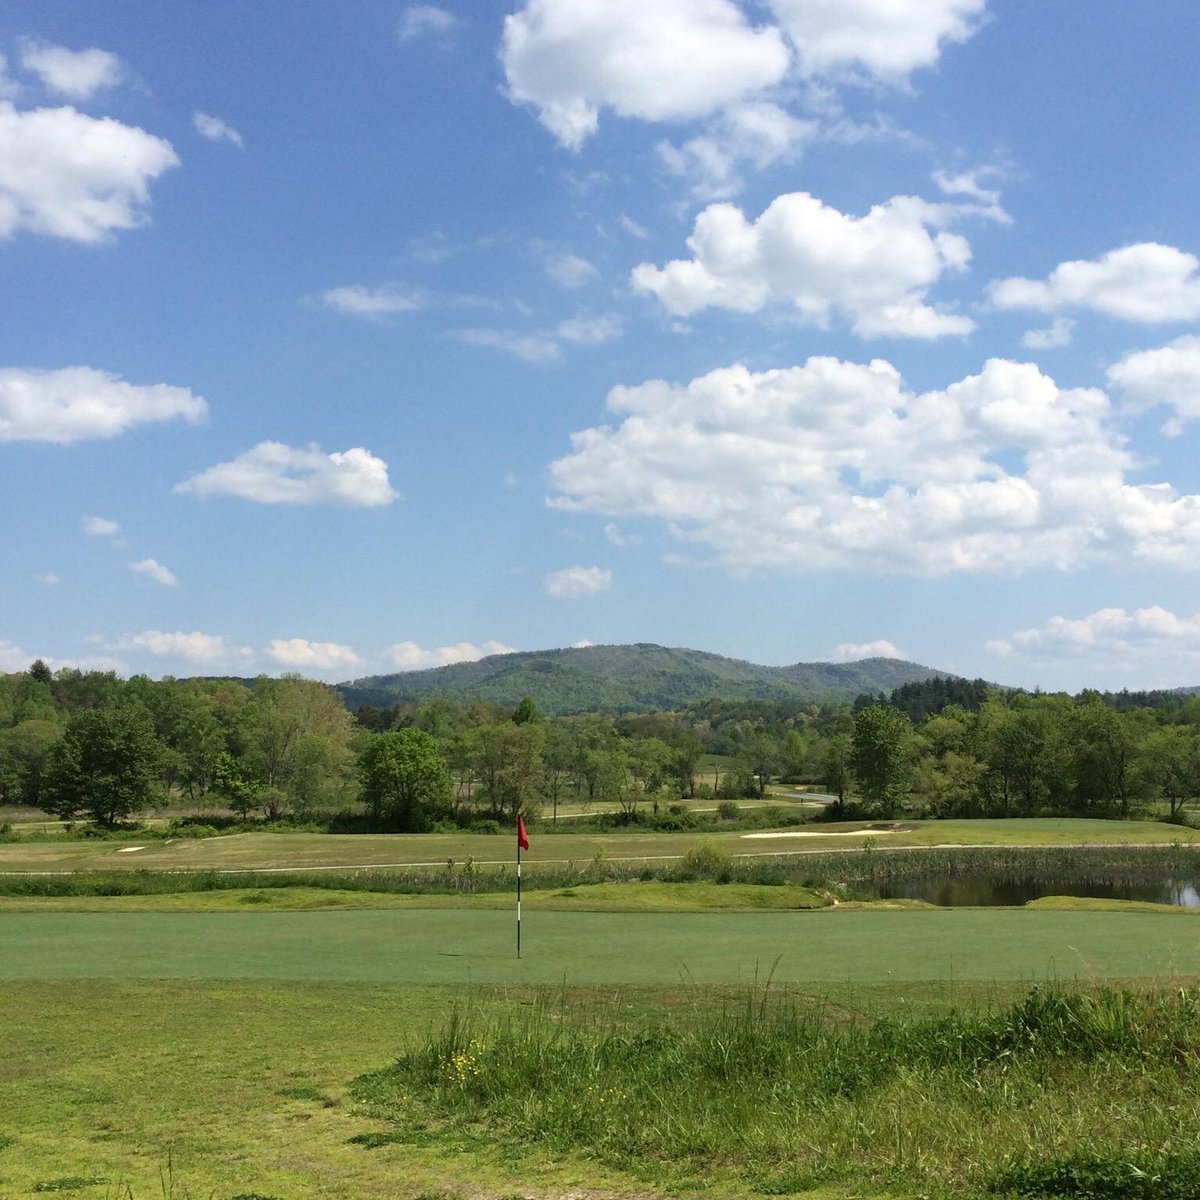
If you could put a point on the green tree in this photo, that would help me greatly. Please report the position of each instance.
(881, 756)
(24, 751)
(297, 745)
(104, 766)
(403, 779)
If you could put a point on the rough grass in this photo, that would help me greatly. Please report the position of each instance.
(1059, 1089)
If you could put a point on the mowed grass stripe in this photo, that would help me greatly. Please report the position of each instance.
(449, 946)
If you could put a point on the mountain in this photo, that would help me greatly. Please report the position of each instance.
(638, 678)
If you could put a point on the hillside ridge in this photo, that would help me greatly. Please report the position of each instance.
(632, 677)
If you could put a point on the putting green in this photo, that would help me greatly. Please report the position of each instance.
(448, 946)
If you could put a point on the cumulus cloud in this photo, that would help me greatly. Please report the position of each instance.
(72, 176)
(76, 74)
(854, 651)
(589, 331)
(74, 403)
(839, 465)
(194, 647)
(216, 130)
(572, 583)
(1153, 642)
(682, 60)
(359, 301)
(272, 473)
(100, 527)
(1146, 282)
(1168, 377)
(425, 20)
(155, 571)
(759, 132)
(410, 656)
(868, 39)
(873, 271)
(670, 60)
(299, 654)
(1058, 333)
(13, 658)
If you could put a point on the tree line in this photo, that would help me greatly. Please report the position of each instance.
(90, 745)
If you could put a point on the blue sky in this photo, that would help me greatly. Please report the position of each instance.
(351, 338)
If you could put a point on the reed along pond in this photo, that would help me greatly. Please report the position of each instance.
(1002, 877)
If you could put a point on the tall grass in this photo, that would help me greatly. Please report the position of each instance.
(786, 1096)
(851, 873)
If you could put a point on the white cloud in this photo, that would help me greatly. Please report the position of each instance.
(839, 465)
(316, 656)
(409, 656)
(50, 579)
(571, 583)
(1151, 642)
(425, 20)
(874, 271)
(1168, 376)
(545, 345)
(589, 331)
(630, 226)
(670, 60)
(75, 403)
(193, 647)
(758, 132)
(13, 658)
(72, 176)
(569, 270)
(854, 651)
(154, 570)
(619, 538)
(272, 473)
(582, 644)
(881, 39)
(100, 527)
(532, 347)
(1058, 333)
(381, 301)
(216, 130)
(76, 74)
(1146, 282)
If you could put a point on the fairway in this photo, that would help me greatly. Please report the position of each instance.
(328, 851)
(459, 946)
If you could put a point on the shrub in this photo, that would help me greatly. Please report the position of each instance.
(707, 860)
(728, 810)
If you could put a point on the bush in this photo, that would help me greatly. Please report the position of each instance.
(707, 860)
(728, 810)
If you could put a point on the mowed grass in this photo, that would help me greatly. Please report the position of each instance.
(425, 946)
(206, 1091)
(316, 851)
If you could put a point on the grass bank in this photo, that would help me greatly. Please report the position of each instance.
(1082, 1094)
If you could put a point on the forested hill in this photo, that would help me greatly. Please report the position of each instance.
(638, 678)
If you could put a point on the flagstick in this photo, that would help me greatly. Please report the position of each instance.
(518, 898)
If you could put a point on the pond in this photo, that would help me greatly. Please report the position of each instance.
(980, 891)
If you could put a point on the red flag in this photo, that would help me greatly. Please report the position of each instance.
(522, 836)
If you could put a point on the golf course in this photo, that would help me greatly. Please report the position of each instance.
(274, 1015)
